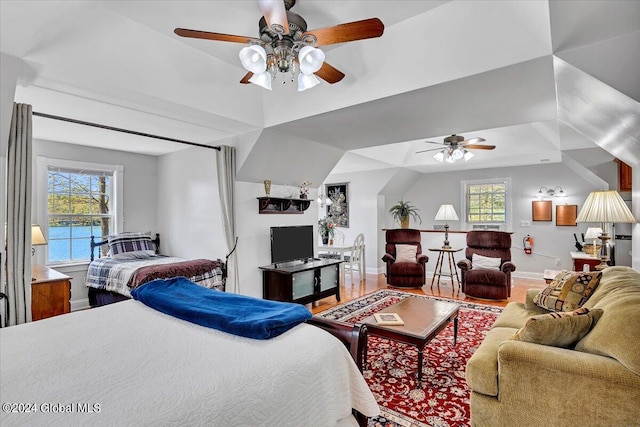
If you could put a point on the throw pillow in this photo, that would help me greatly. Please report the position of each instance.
(131, 246)
(406, 253)
(562, 329)
(568, 291)
(485, 262)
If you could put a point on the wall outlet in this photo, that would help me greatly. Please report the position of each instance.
(558, 261)
(525, 223)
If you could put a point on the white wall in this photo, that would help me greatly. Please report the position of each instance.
(431, 190)
(188, 208)
(140, 198)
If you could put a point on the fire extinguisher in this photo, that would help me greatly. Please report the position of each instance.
(528, 244)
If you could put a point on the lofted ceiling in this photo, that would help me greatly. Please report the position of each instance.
(531, 77)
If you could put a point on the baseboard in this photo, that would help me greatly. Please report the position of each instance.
(79, 304)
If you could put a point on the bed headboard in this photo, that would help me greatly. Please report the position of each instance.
(95, 244)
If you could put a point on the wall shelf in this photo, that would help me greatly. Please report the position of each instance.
(279, 205)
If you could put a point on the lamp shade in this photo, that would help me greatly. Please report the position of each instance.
(605, 206)
(592, 233)
(307, 81)
(446, 213)
(311, 59)
(37, 237)
(254, 59)
(262, 80)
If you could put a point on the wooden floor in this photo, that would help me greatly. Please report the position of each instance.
(373, 282)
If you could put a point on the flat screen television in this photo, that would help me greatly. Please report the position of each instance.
(291, 243)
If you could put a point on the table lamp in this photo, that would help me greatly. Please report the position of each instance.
(446, 213)
(37, 238)
(605, 207)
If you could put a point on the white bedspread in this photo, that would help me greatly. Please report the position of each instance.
(134, 366)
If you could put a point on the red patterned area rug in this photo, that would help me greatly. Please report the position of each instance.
(443, 398)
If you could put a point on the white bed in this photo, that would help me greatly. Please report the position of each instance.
(142, 367)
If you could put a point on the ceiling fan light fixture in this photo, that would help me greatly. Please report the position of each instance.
(457, 153)
(310, 59)
(263, 80)
(307, 81)
(468, 155)
(254, 59)
(439, 156)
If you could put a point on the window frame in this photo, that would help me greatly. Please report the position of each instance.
(467, 225)
(43, 165)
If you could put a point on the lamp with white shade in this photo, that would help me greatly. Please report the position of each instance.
(605, 207)
(37, 238)
(446, 213)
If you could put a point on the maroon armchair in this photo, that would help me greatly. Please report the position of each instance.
(491, 283)
(404, 269)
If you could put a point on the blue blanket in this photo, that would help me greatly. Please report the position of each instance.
(236, 314)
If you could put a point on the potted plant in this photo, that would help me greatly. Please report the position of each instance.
(402, 211)
(326, 229)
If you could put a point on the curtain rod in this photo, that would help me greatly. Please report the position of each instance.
(132, 132)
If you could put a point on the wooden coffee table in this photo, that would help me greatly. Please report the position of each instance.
(423, 320)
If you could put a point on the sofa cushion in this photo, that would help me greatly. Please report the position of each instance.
(617, 334)
(568, 291)
(406, 253)
(561, 329)
(482, 367)
(516, 314)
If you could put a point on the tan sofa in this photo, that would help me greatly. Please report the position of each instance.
(597, 383)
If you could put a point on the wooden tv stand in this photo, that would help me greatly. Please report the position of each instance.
(301, 282)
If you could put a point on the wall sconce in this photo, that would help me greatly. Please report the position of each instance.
(556, 191)
(323, 200)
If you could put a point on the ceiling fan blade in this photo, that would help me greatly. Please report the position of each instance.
(275, 14)
(431, 142)
(431, 149)
(329, 74)
(479, 147)
(473, 141)
(195, 34)
(245, 79)
(358, 30)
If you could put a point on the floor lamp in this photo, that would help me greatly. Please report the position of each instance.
(446, 213)
(605, 207)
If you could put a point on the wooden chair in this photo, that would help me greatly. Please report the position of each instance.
(356, 258)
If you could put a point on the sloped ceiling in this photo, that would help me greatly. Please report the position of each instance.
(506, 71)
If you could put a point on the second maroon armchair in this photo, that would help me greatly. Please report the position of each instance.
(406, 264)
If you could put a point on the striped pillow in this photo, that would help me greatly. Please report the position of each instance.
(131, 246)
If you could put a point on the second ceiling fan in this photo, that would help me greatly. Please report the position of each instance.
(284, 45)
(455, 147)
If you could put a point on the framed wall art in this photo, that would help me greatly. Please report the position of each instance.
(541, 210)
(566, 215)
(338, 210)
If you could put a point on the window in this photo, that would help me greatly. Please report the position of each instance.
(486, 204)
(80, 203)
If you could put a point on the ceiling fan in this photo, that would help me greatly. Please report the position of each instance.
(285, 45)
(456, 148)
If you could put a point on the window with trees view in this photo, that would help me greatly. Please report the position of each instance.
(486, 202)
(80, 203)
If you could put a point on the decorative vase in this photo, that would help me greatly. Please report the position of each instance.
(404, 222)
(303, 196)
(267, 187)
(325, 240)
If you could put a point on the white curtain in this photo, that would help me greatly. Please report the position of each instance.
(18, 284)
(226, 162)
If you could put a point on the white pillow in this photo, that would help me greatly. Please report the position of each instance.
(406, 253)
(485, 262)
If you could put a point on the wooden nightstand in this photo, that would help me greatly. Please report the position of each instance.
(580, 259)
(50, 292)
